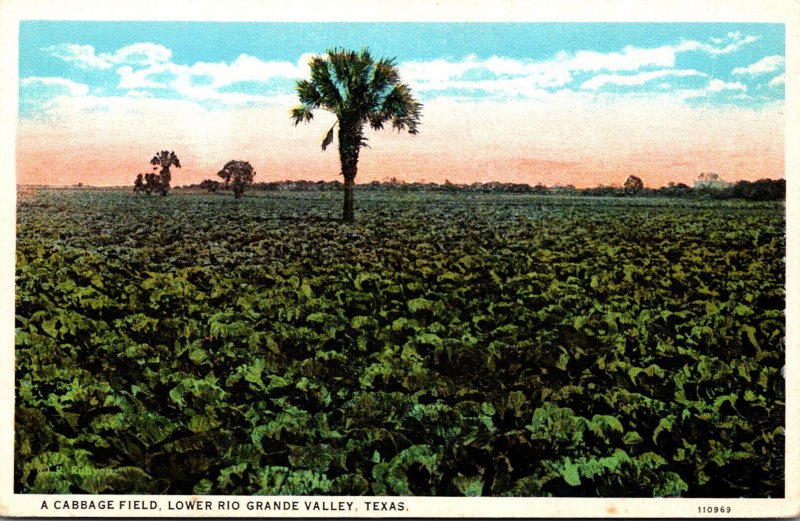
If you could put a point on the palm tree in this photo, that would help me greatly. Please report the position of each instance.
(357, 90)
(165, 160)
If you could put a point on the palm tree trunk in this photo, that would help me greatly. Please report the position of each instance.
(347, 211)
(349, 144)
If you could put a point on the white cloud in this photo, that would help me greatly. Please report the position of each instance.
(764, 65)
(524, 77)
(635, 79)
(81, 55)
(778, 80)
(504, 66)
(735, 39)
(630, 59)
(531, 82)
(146, 66)
(439, 71)
(166, 74)
(497, 71)
(202, 81)
(85, 56)
(245, 68)
(139, 94)
(67, 86)
(716, 85)
(140, 54)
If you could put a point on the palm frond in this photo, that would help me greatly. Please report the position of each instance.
(173, 159)
(402, 109)
(361, 71)
(384, 75)
(340, 64)
(301, 114)
(323, 80)
(308, 93)
(328, 139)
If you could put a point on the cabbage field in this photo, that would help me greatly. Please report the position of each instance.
(443, 344)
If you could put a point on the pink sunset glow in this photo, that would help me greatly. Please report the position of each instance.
(559, 141)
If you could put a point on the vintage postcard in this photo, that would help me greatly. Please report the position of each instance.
(402, 259)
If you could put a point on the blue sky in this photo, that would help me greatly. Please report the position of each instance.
(693, 56)
(602, 75)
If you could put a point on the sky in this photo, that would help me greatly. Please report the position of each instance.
(586, 104)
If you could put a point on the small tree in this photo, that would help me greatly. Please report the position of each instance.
(209, 185)
(147, 183)
(152, 183)
(165, 160)
(633, 183)
(237, 174)
(138, 184)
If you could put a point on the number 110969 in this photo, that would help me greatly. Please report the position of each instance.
(714, 510)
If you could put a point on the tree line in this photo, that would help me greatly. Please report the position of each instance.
(761, 190)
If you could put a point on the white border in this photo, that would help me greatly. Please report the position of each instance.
(775, 11)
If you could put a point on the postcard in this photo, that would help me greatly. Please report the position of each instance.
(407, 259)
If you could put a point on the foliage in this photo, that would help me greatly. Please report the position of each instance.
(358, 90)
(762, 190)
(164, 160)
(209, 185)
(147, 183)
(633, 183)
(238, 175)
(505, 345)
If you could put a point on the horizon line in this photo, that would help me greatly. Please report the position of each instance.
(398, 183)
